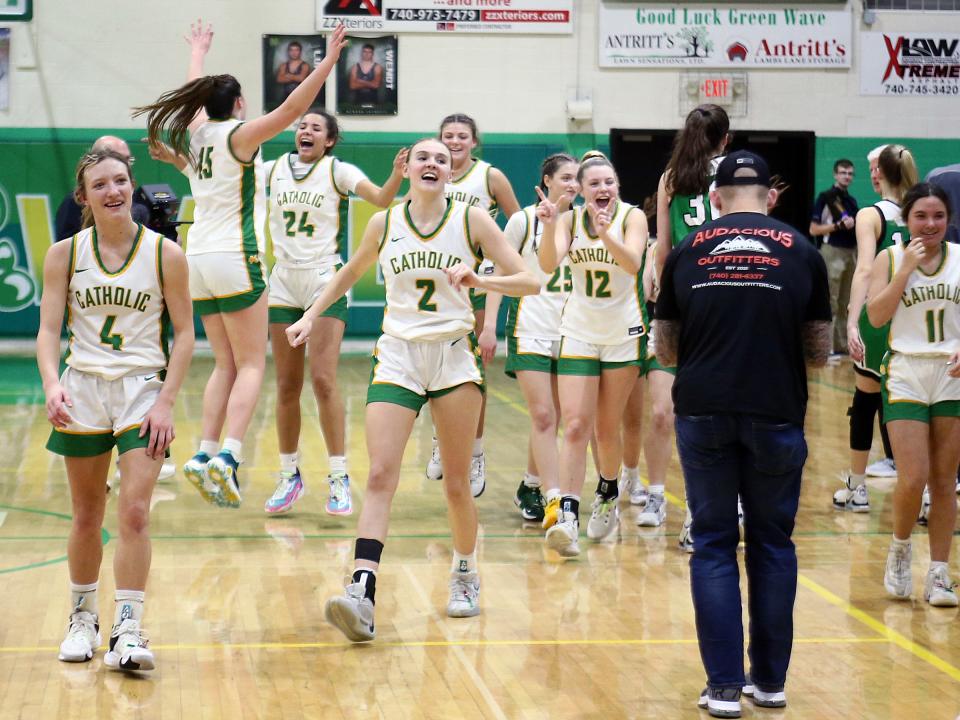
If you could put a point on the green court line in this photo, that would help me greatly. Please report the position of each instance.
(104, 537)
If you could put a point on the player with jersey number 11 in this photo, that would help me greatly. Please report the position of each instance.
(427, 249)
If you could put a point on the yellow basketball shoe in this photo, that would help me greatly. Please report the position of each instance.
(551, 513)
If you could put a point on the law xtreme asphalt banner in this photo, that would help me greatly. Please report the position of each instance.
(916, 63)
(522, 17)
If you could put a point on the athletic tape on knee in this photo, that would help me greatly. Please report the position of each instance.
(864, 408)
(368, 549)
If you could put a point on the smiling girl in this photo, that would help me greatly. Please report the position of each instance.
(915, 287)
(307, 206)
(121, 286)
(603, 331)
(426, 249)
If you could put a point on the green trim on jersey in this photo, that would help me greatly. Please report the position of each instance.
(433, 233)
(130, 255)
(585, 216)
(875, 343)
(473, 166)
(333, 179)
(293, 175)
(248, 163)
(944, 249)
(890, 233)
(474, 248)
(343, 210)
(386, 228)
(248, 190)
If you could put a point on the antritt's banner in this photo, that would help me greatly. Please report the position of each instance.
(917, 63)
(724, 36)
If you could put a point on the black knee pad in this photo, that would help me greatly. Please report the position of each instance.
(862, 411)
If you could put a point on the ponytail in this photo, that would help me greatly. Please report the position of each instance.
(899, 170)
(702, 136)
(169, 118)
(551, 164)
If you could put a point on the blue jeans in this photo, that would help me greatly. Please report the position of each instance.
(724, 456)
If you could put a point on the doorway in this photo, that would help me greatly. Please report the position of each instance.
(640, 157)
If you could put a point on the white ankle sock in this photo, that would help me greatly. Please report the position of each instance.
(210, 447)
(478, 447)
(83, 598)
(338, 465)
(234, 447)
(288, 462)
(656, 489)
(464, 563)
(129, 604)
(532, 481)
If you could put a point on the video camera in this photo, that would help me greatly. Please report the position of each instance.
(163, 205)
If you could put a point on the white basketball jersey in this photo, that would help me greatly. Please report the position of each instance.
(308, 216)
(422, 305)
(230, 196)
(927, 320)
(605, 306)
(535, 316)
(116, 321)
(473, 188)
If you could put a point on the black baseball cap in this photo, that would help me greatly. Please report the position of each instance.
(727, 170)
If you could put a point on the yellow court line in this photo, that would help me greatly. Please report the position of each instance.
(454, 644)
(888, 633)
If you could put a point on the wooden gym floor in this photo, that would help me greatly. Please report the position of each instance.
(235, 599)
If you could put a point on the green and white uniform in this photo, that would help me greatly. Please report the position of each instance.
(893, 232)
(225, 244)
(688, 212)
(603, 324)
(473, 188)
(924, 333)
(427, 347)
(117, 330)
(533, 321)
(307, 211)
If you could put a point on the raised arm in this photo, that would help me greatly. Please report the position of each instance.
(383, 196)
(158, 421)
(502, 192)
(250, 135)
(199, 40)
(56, 279)
(345, 278)
(555, 241)
(513, 278)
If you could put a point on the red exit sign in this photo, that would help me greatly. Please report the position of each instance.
(718, 88)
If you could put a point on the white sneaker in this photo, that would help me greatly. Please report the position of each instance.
(761, 698)
(638, 492)
(604, 520)
(478, 475)
(464, 595)
(938, 589)
(854, 499)
(886, 468)
(82, 639)
(924, 507)
(654, 513)
(563, 536)
(685, 540)
(897, 579)
(434, 468)
(351, 613)
(128, 648)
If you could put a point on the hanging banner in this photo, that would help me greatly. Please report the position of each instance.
(724, 36)
(287, 60)
(522, 17)
(367, 76)
(919, 63)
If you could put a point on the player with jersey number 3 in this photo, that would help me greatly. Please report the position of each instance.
(426, 248)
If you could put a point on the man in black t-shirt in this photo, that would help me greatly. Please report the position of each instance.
(743, 307)
(833, 220)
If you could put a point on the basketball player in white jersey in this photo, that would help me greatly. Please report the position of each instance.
(220, 154)
(121, 287)
(478, 184)
(307, 209)
(916, 288)
(603, 333)
(533, 336)
(427, 249)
